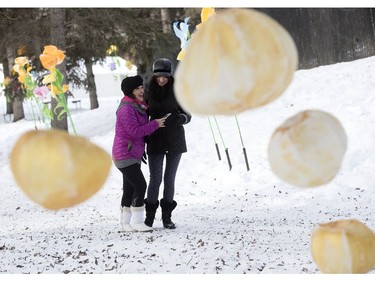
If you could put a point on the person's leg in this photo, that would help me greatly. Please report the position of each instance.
(171, 166)
(167, 203)
(126, 200)
(134, 176)
(155, 164)
(127, 190)
(150, 212)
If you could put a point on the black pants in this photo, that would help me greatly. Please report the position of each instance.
(155, 164)
(134, 186)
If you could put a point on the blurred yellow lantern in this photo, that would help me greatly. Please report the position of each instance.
(57, 170)
(343, 246)
(307, 149)
(237, 60)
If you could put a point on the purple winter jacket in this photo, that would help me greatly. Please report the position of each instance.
(131, 128)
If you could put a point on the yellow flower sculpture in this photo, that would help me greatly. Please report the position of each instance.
(181, 54)
(129, 64)
(51, 57)
(6, 81)
(55, 89)
(206, 13)
(22, 67)
(112, 50)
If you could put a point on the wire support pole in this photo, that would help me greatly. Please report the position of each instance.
(213, 136)
(226, 149)
(243, 146)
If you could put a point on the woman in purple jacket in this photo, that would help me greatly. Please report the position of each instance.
(132, 126)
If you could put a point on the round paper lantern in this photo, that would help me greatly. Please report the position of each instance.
(307, 149)
(344, 246)
(238, 59)
(57, 170)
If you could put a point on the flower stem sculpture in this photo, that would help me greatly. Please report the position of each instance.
(50, 58)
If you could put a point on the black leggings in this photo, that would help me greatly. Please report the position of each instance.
(134, 186)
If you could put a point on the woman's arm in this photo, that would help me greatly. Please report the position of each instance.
(128, 116)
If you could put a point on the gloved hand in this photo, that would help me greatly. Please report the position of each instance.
(182, 118)
(144, 158)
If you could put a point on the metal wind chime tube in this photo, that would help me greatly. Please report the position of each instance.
(226, 149)
(213, 136)
(243, 147)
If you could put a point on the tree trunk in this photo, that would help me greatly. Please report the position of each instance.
(18, 109)
(15, 106)
(165, 20)
(9, 106)
(91, 84)
(58, 39)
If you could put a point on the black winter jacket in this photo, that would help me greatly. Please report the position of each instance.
(162, 100)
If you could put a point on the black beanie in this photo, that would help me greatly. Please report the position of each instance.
(131, 83)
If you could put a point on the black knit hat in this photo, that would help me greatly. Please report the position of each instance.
(131, 83)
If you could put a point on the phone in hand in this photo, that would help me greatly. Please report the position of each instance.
(167, 115)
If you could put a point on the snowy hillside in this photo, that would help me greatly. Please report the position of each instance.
(234, 221)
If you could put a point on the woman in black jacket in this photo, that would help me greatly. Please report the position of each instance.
(166, 143)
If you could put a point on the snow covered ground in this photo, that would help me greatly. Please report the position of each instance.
(228, 222)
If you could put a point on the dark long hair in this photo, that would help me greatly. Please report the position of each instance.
(159, 92)
(161, 100)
